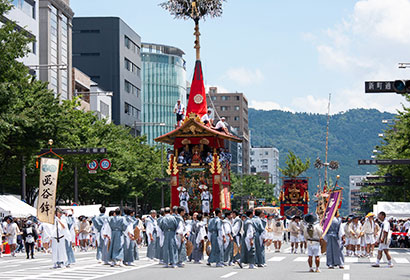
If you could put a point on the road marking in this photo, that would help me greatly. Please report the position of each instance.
(229, 275)
(352, 260)
(276, 259)
(394, 253)
(346, 276)
(301, 259)
(401, 260)
(347, 267)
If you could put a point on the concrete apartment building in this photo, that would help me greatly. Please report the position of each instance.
(265, 161)
(109, 52)
(25, 14)
(234, 107)
(93, 98)
(55, 46)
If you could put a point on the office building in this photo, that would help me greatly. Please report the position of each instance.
(55, 46)
(109, 52)
(354, 193)
(265, 160)
(92, 97)
(163, 83)
(234, 107)
(25, 14)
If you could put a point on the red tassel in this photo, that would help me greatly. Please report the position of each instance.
(61, 168)
(37, 164)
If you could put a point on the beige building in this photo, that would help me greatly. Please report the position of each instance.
(234, 107)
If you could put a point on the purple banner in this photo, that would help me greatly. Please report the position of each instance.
(331, 208)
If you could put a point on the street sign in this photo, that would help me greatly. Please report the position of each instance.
(80, 151)
(363, 184)
(92, 165)
(378, 86)
(383, 161)
(105, 164)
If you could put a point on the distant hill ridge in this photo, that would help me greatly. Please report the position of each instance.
(353, 135)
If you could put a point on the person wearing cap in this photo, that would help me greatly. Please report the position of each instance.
(179, 110)
(355, 230)
(206, 198)
(277, 230)
(313, 235)
(221, 126)
(30, 237)
(183, 199)
(294, 229)
(151, 231)
(383, 241)
(206, 119)
(59, 235)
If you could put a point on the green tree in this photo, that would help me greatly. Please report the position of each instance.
(395, 145)
(294, 166)
(250, 186)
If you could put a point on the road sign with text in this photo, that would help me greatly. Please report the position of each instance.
(383, 161)
(379, 86)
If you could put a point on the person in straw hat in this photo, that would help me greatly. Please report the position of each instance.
(369, 234)
(313, 235)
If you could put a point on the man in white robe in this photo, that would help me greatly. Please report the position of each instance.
(59, 235)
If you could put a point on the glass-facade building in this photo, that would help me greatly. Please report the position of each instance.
(163, 83)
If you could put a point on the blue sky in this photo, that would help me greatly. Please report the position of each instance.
(285, 55)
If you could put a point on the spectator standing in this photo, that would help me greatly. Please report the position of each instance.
(30, 237)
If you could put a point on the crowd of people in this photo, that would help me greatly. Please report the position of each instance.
(174, 238)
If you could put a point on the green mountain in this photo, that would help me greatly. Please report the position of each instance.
(353, 135)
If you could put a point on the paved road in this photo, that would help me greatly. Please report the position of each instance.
(280, 266)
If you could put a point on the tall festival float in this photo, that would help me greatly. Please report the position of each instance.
(193, 141)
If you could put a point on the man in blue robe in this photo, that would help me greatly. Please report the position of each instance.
(98, 222)
(217, 238)
(118, 226)
(248, 241)
(180, 235)
(259, 242)
(169, 225)
(334, 238)
(151, 230)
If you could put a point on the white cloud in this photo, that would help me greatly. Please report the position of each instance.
(244, 76)
(267, 106)
(366, 45)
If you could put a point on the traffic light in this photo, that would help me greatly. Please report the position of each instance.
(401, 86)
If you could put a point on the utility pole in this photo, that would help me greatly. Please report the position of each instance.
(75, 184)
(23, 180)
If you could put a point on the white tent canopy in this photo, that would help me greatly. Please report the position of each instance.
(10, 205)
(393, 209)
(87, 210)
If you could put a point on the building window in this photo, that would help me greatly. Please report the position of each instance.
(104, 109)
(27, 6)
(132, 111)
(264, 161)
(127, 108)
(225, 98)
(224, 108)
(213, 98)
(237, 98)
(237, 108)
(131, 45)
(236, 118)
(130, 88)
(132, 67)
(266, 153)
(86, 54)
(265, 167)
